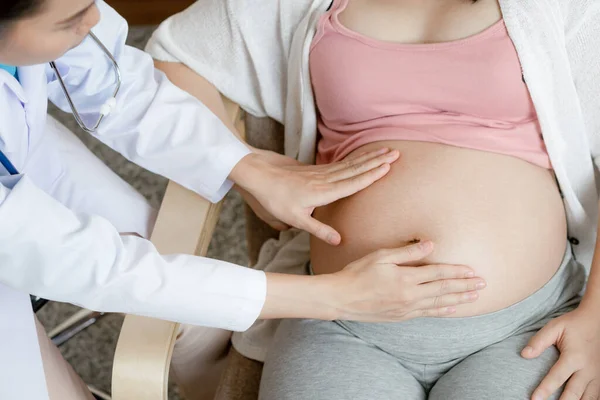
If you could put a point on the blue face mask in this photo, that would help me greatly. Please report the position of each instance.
(10, 70)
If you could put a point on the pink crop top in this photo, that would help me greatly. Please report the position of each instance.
(467, 93)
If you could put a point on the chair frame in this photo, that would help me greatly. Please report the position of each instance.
(185, 225)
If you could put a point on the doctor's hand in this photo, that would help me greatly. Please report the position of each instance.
(285, 193)
(376, 288)
(380, 288)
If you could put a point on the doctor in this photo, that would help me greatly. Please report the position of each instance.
(72, 231)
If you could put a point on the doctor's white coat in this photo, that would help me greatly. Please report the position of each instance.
(59, 242)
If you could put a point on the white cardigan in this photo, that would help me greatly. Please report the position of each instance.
(256, 53)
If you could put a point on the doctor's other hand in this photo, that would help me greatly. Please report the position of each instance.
(376, 288)
(379, 287)
(286, 193)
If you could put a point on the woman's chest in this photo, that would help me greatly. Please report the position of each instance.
(419, 21)
(361, 74)
(356, 81)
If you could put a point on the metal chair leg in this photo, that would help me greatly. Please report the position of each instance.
(77, 323)
(98, 394)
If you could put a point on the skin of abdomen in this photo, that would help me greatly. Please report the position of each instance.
(502, 216)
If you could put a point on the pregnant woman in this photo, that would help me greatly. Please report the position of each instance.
(441, 82)
(491, 105)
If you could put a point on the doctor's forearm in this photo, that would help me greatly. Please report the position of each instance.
(298, 296)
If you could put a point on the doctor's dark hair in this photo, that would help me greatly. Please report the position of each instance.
(11, 10)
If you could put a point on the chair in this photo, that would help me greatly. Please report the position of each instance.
(185, 225)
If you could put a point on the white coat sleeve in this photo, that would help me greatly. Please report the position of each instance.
(155, 124)
(48, 251)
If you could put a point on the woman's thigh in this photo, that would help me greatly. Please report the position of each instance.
(496, 372)
(314, 360)
(62, 381)
(199, 358)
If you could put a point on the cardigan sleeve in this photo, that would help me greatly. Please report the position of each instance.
(583, 47)
(239, 46)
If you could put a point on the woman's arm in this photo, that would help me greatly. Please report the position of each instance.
(577, 334)
(193, 83)
(577, 337)
(591, 298)
(199, 87)
(583, 48)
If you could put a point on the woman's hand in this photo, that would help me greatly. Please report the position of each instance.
(286, 194)
(577, 337)
(376, 288)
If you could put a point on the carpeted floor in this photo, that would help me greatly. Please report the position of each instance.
(91, 352)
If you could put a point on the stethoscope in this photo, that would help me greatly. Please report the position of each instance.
(105, 110)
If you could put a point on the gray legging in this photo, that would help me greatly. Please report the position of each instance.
(440, 359)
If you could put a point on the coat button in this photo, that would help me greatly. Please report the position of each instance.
(574, 241)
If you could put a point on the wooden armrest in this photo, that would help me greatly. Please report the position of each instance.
(185, 225)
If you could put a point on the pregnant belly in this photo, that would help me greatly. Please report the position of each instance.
(497, 214)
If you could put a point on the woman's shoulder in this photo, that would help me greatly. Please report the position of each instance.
(249, 17)
(259, 10)
(284, 13)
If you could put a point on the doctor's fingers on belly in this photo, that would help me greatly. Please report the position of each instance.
(345, 178)
(358, 164)
(440, 296)
(403, 292)
(290, 194)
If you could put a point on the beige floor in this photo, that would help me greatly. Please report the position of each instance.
(91, 352)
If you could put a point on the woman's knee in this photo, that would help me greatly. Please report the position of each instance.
(496, 372)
